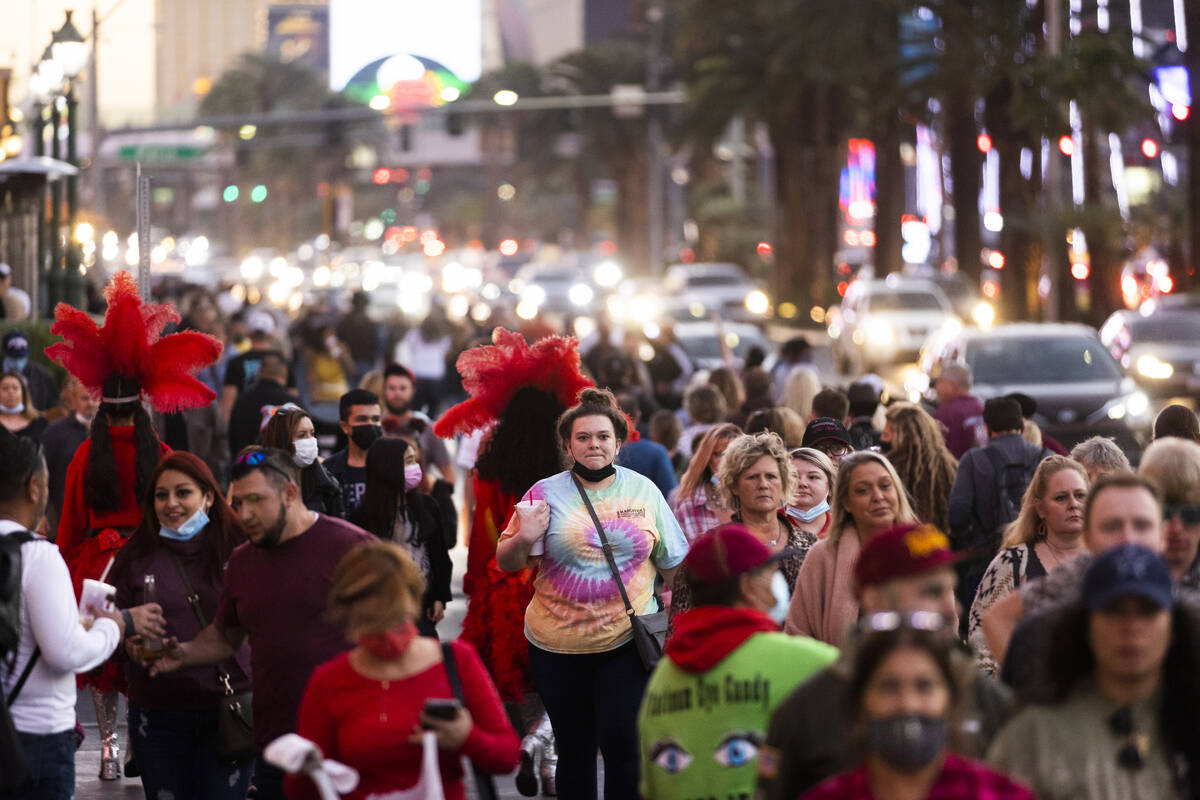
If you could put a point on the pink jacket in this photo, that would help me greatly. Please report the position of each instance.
(824, 603)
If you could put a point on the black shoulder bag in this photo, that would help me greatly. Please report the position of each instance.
(485, 785)
(235, 712)
(649, 630)
(13, 768)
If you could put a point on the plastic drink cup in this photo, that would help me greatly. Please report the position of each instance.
(95, 594)
(525, 510)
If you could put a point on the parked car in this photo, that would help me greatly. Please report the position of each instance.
(885, 322)
(1079, 387)
(1160, 349)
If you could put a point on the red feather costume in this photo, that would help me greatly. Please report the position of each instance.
(130, 346)
(492, 375)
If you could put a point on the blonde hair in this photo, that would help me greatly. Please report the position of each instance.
(1031, 432)
(1028, 527)
(841, 517)
(926, 468)
(1173, 464)
(373, 382)
(799, 389)
(817, 459)
(376, 587)
(742, 454)
(727, 382)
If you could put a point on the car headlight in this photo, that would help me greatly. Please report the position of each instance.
(1149, 366)
(983, 314)
(1134, 406)
(757, 302)
(879, 332)
(580, 294)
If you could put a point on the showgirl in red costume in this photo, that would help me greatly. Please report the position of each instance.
(124, 361)
(517, 390)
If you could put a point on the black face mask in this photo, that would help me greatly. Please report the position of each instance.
(593, 475)
(907, 742)
(364, 436)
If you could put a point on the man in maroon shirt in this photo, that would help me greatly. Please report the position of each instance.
(275, 593)
(959, 411)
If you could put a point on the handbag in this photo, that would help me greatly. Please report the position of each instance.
(13, 767)
(235, 711)
(649, 630)
(485, 785)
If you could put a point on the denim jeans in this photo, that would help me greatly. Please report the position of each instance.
(176, 752)
(50, 759)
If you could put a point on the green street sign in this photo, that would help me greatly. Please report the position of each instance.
(159, 152)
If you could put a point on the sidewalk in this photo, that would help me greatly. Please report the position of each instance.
(88, 785)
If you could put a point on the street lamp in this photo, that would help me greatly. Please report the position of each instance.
(70, 52)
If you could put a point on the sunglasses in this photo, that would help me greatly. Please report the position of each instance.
(257, 458)
(1189, 514)
(894, 620)
(1132, 755)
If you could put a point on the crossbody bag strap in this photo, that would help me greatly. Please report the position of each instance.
(451, 666)
(25, 673)
(605, 546)
(194, 601)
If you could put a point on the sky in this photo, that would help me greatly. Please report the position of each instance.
(126, 54)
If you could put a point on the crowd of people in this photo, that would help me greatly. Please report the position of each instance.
(730, 583)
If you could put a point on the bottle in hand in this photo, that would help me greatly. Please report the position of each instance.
(152, 646)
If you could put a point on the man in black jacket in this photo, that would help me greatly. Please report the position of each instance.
(245, 421)
(989, 489)
(62, 439)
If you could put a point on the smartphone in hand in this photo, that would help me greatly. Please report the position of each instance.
(442, 708)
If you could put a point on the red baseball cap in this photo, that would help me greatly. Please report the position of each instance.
(726, 552)
(902, 551)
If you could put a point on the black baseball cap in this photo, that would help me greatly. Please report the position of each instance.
(825, 428)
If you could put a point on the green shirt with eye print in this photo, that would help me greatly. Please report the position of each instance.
(699, 733)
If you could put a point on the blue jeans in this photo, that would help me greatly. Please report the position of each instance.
(50, 759)
(176, 752)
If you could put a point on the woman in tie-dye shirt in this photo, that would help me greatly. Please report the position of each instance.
(581, 654)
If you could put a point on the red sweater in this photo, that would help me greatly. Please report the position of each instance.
(365, 724)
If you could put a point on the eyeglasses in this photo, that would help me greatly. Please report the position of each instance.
(894, 620)
(835, 451)
(1133, 752)
(1189, 514)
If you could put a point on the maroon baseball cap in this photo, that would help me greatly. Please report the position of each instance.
(825, 428)
(902, 551)
(726, 552)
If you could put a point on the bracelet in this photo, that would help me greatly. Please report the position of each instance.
(129, 631)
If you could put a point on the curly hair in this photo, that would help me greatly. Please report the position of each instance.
(742, 453)
(841, 493)
(522, 448)
(1028, 527)
(925, 466)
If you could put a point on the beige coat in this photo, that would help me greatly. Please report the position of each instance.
(824, 604)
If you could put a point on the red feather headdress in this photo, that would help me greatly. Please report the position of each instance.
(130, 346)
(493, 373)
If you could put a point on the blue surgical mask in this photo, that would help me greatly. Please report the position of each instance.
(808, 516)
(714, 480)
(15, 364)
(783, 597)
(19, 408)
(188, 530)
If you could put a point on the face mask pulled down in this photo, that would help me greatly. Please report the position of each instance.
(188, 530)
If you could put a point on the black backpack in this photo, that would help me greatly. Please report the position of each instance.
(13, 770)
(1012, 478)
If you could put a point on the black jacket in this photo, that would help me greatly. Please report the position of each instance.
(59, 443)
(245, 420)
(423, 514)
(322, 492)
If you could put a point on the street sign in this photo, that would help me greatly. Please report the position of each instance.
(158, 152)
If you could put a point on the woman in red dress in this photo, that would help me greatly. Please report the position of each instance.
(126, 361)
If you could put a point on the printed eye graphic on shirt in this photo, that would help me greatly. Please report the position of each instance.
(738, 749)
(670, 757)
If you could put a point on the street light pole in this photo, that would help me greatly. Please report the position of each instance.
(70, 52)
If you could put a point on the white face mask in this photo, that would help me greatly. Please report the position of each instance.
(306, 451)
(19, 408)
(783, 597)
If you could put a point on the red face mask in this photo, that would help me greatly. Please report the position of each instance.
(389, 645)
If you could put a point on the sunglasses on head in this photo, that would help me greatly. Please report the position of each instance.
(258, 458)
(894, 620)
(1189, 514)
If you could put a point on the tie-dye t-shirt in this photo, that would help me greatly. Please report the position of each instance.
(576, 607)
